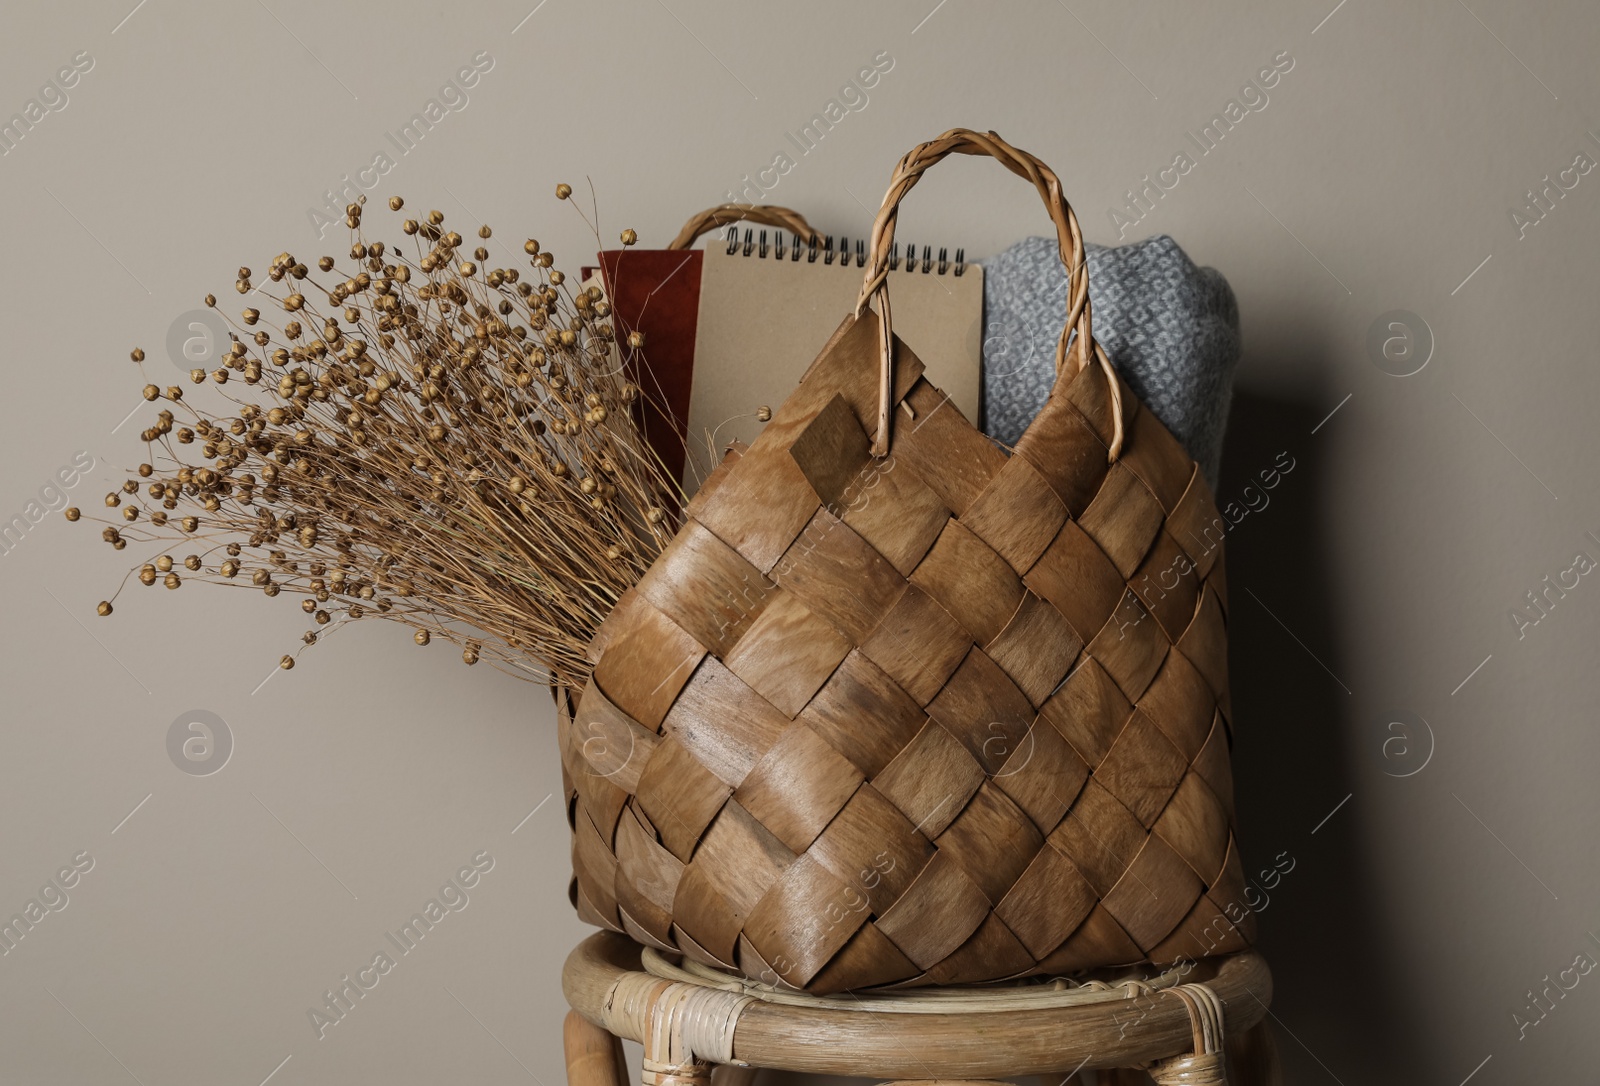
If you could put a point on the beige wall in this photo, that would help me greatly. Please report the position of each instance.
(1381, 170)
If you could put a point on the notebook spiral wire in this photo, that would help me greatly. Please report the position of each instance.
(823, 247)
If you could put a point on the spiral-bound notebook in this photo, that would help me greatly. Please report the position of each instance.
(765, 312)
(762, 310)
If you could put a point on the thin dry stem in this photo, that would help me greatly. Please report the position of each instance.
(457, 451)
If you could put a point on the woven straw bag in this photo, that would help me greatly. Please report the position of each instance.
(895, 707)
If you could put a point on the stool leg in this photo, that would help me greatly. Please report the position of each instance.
(729, 1074)
(594, 1057)
(1254, 1056)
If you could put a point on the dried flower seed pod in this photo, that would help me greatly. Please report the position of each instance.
(393, 459)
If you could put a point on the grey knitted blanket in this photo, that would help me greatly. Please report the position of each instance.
(1170, 328)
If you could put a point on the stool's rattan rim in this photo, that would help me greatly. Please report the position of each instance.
(968, 1000)
(604, 981)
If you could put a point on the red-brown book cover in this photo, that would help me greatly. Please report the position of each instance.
(657, 292)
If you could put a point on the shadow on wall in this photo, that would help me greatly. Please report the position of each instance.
(1320, 928)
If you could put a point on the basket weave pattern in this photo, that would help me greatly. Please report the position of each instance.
(941, 716)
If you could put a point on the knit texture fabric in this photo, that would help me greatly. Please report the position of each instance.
(1170, 328)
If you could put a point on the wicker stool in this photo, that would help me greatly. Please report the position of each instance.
(690, 1019)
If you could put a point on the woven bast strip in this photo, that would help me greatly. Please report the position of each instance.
(898, 708)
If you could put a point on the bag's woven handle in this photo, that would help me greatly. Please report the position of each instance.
(722, 214)
(964, 141)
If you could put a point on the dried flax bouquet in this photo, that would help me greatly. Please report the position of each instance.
(423, 439)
